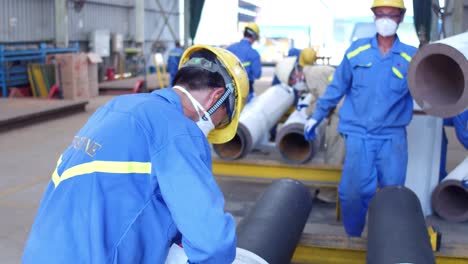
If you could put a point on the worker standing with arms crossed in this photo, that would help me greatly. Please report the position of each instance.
(138, 174)
(249, 57)
(376, 110)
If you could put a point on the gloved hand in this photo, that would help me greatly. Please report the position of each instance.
(309, 129)
(304, 101)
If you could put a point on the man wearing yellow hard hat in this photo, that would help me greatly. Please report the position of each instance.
(376, 109)
(249, 57)
(137, 177)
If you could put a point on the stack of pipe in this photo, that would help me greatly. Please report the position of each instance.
(438, 81)
(256, 120)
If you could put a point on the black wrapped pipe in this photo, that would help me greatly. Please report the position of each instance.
(397, 231)
(274, 226)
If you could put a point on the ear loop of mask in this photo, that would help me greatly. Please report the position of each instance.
(196, 105)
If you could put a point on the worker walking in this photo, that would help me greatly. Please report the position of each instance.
(376, 110)
(249, 57)
(173, 60)
(138, 174)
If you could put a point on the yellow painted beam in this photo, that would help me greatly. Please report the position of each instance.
(308, 174)
(318, 255)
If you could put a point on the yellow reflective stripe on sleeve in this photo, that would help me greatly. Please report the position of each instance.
(406, 56)
(330, 78)
(397, 72)
(102, 166)
(55, 176)
(245, 64)
(357, 51)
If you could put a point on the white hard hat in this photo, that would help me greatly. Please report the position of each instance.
(284, 68)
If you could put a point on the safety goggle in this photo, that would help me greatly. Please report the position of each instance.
(229, 96)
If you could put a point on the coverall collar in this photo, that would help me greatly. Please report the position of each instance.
(396, 48)
(171, 96)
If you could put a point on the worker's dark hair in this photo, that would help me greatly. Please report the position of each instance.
(177, 43)
(192, 78)
(196, 78)
(248, 33)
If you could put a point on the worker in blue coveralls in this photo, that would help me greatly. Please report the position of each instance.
(249, 57)
(138, 174)
(460, 124)
(173, 60)
(376, 110)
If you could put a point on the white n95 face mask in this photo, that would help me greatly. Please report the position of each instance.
(204, 122)
(386, 27)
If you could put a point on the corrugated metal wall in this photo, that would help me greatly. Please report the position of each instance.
(26, 20)
(33, 20)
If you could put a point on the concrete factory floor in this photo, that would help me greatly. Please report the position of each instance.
(29, 155)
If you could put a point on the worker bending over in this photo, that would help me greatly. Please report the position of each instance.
(138, 174)
(377, 108)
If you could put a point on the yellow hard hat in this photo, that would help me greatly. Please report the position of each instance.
(390, 3)
(284, 68)
(253, 29)
(308, 56)
(236, 84)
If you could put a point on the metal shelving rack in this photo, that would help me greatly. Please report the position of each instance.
(13, 75)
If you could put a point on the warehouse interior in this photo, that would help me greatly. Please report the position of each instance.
(62, 60)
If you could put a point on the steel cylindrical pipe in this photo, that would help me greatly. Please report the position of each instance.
(397, 230)
(438, 76)
(450, 197)
(290, 140)
(274, 225)
(255, 121)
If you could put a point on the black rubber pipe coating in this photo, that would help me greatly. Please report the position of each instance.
(273, 227)
(397, 231)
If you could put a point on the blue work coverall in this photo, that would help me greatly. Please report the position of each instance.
(460, 124)
(250, 59)
(373, 119)
(137, 174)
(173, 62)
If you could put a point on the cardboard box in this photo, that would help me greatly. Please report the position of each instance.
(71, 74)
(93, 86)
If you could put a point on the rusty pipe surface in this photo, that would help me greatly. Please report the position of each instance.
(256, 120)
(450, 197)
(438, 76)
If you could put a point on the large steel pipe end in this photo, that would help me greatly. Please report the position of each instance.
(273, 227)
(292, 145)
(438, 79)
(450, 201)
(237, 147)
(397, 231)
